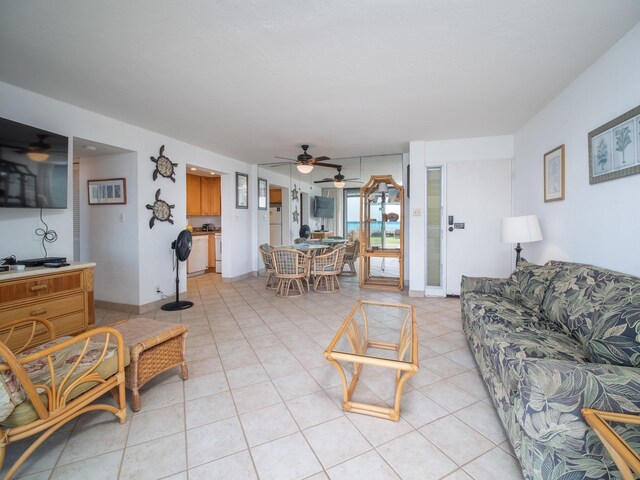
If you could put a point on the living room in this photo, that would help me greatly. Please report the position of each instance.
(477, 85)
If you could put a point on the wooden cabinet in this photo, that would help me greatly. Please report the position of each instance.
(206, 193)
(216, 198)
(317, 235)
(193, 195)
(203, 196)
(275, 195)
(382, 233)
(62, 296)
(212, 251)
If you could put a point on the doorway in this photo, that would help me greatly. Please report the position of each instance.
(465, 203)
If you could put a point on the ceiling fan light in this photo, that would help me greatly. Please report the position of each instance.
(38, 156)
(339, 184)
(302, 168)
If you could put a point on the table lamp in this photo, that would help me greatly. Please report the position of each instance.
(520, 230)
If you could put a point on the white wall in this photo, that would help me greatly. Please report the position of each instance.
(154, 266)
(596, 224)
(109, 233)
(423, 153)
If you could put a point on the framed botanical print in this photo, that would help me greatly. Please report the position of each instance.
(262, 193)
(554, 174)
(614, 148)
(242, 190)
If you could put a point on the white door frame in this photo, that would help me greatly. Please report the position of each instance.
(440, 291)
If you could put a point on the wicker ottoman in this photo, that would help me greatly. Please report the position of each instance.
(154, 347)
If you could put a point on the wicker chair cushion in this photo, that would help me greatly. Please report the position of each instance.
(19, 411)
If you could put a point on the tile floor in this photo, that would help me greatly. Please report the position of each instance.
(261, 402)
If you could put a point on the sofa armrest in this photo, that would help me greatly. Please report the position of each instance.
(492, 286)
(19, 334)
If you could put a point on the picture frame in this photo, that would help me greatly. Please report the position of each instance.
(263, 192)
(108, 191)
(242, 190)
(614, 148)
(554, 174)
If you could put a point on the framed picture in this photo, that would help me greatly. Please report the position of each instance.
(614, 148)
(110, 191)
(262, 194)
(554, 174)
(242, 190)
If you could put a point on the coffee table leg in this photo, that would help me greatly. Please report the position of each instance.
(184, 371)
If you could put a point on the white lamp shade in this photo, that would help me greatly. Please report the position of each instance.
(339, 184)
(521, 229)
(383, 188)
(302, 168)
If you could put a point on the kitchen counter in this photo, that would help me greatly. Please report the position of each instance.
(195, 234)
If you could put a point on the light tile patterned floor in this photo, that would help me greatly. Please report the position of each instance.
(261, 402)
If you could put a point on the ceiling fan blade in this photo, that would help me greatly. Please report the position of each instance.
(285, 158)
(277, 164)
(330, 165)
(324, 180)
(321, 159)
(352, 180)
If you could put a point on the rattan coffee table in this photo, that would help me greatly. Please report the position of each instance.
(154, 348)
(352, 345)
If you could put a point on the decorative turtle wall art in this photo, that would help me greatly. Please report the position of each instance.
(164, 166)
(295, 214)
(294, 192)
(161, 211)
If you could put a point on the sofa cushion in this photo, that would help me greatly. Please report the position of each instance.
(529, 284)
(580, 296)
(615, 337)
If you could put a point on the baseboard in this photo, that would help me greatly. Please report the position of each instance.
(416, 293)
(139, 309)
(244, 276)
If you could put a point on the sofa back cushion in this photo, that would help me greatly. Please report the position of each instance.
(599, 308)
(528, 284)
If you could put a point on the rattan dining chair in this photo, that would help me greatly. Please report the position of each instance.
(325, 269)
(265, 252)
(291, 269)
(352, 251)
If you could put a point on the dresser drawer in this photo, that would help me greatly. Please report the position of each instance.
(48, 309)
(41, 286)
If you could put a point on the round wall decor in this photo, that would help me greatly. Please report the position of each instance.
(164, 166)
(161, 211)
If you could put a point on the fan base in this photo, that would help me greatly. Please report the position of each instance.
(179, 305)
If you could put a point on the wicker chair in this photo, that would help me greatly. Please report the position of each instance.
(291, 269)
(325, 269)
(352, 251)
(46, 386)
(265, 252)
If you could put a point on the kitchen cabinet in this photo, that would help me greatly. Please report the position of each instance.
(199, 256)
(212, 252)
(275, 195)
(63, 296)
(203, 196)
(193, 195)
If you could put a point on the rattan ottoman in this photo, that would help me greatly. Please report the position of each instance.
(154, 347)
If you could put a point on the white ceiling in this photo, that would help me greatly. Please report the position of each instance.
(252, 79)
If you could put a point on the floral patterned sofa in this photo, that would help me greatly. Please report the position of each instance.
(549, 341)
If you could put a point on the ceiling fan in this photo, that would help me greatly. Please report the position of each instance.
(38, 151)
(305, 162)
(338, 180)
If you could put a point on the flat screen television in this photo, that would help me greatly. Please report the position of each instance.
(323, 207)
(33, 167)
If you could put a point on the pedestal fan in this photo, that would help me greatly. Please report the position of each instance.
(182, 249)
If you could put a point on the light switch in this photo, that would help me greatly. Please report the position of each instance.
(122, 218)
(417, 212)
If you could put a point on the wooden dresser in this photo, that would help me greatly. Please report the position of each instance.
(64, 296)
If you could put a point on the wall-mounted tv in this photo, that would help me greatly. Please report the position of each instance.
(323, 207)
(33, 167)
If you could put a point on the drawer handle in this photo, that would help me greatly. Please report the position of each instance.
(35, 313)
(37, 288)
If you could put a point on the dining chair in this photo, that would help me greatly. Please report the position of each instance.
(267, 259)
(291, 268)
(352, 251)
(325, 269)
